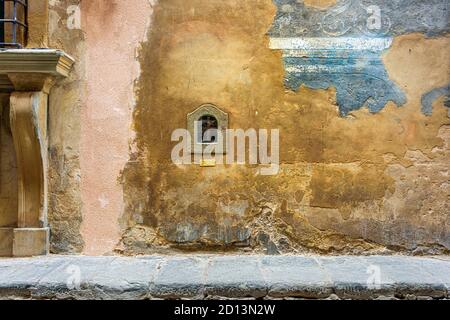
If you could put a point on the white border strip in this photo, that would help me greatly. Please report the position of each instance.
(372, 44)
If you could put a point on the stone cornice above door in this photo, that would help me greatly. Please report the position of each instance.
(32, 69)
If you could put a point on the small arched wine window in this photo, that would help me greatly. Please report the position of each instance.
(207, 125)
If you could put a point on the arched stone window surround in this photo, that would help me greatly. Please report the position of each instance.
(222, 125)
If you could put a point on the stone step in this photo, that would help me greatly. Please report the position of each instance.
(225, 277)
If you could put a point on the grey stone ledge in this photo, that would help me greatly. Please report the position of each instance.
(225, 277)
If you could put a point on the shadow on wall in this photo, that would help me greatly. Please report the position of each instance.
(8, 167)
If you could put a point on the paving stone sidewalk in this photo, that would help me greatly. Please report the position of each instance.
(225, 277)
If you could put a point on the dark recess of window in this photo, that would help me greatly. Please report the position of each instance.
(13, 23)
(209, 129)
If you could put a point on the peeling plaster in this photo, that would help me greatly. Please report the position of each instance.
(350, 63)
(429, 98)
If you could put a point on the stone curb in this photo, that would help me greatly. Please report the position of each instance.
(225, 277)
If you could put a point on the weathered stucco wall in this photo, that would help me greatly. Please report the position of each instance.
(364, 129)
(350, 182)
(65, 106)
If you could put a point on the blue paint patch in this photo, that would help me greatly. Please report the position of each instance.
(351, 18)
(429, 98)
(340, 46)
(359, 77)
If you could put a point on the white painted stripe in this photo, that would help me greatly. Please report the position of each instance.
(373, 44)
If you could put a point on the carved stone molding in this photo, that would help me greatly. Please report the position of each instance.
(44, 61)
(29, 75)
(28, 118)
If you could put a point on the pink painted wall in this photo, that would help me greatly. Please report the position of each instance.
(113, 31)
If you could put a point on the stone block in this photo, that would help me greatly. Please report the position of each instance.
(31, 242)
(180, 277)
(351, 277)
(291, 276)
(235, 276)
(6, 242)
(100, 278)
(409, 275)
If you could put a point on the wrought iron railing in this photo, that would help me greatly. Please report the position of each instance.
(13, 23)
